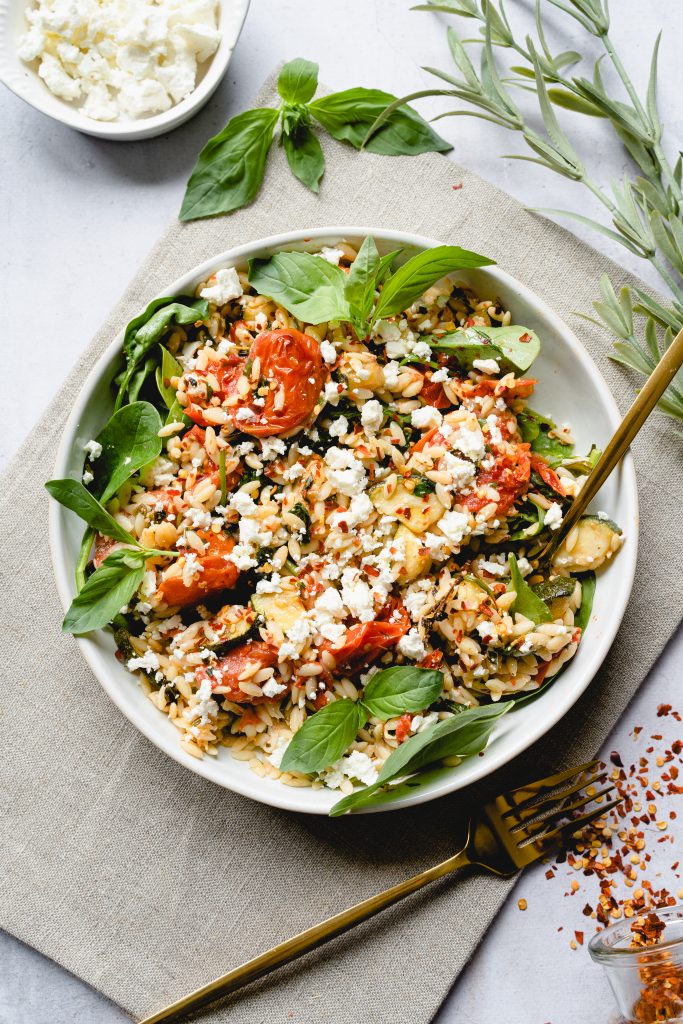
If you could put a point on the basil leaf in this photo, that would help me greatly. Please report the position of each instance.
(526, 602)
(105, 593)
(402, 688)
(324, 737)
(359, 287)
(298, 81)
(550, 590)
(464, 734)
(229, 169)
(307, 286)
(304, 156)
(417, 275)
(170, 367)
(349, 115)
(520, 345)
(130, 440)
(146, 330)
(385, 266)
(465, 345)
(74, 496)
(583, 615)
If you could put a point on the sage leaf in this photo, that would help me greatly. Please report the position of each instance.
(324, 737)
(583, 615)
(393, 691)
(305, 156)
(349, 115)
(307, 286)
(130, 440)
(526, 602)
(229, 169)
(74, 496)
(298, 81)
(104, 594)
(412, 280)
(464, 734)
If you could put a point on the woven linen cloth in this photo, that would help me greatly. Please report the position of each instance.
(147, 881)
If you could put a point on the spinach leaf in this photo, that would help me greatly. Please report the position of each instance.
(106, 592)
(146, 330)
(304, 156)
(229, 169)
(360, 284)
(411, 280)
(324, 737)
(170, 367)
(130, 440)
(402, 688)
(534, 429)
(298, 81)
(526, 602)
(550, 590)
(463, 734)
(138, 379)
(583, 615)
(74, 496)
(520, 345)
(307, 286)
(349, 115)
(424, 486)
(465, 345)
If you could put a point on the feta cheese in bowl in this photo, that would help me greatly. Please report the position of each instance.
(122, 69)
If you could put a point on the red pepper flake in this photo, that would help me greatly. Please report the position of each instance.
(663, 710)
(456, 188)
(615, 758)
(579, 937)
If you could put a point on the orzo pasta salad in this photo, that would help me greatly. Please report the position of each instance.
(314, 516)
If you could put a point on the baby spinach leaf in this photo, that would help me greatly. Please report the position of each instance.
(324, 737)
(307, 286)
(298, 81)
(74, 496)
(534, 429)
(139, 377)
(229, 169)
(463, 734)
(527, 603)
(520, 345)
(465, 345)
(129, 441)
(411, 280)
(170, 367)
(349, 115)
(304, 156)
(359, 287)
(393, 691)
(550, 590)
(583, 616)
(105, 593)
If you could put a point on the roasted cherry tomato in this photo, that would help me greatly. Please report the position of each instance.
(291, 362)
(224, 673)
(200, 390)
(522, 388)
(509, 475)
(366, 641)
(431, 660)
(434, 394)
(547, 475)
(217, 573)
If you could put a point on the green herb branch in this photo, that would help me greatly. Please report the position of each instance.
(230, 168)
(644, 210)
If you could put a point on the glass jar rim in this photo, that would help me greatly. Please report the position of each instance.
(600, 949)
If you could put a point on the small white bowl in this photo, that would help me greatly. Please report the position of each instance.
(24, 81)
(570, 389)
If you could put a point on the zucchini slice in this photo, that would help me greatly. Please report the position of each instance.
(233, 625)
(592, 542)
(280, 611)
(414, 561)
(417, 512)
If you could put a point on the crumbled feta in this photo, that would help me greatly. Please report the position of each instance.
(357, 595)
(272, 689)
(148, 662)
(391, 372)
(553, 516)
(422, 350)
(469, 442)
(271, 447)
(455, 526)
(412, 646)
(487, 631)
(339, 427)
(330, 255)
(359, 766)
(279, 751)
(333, 391)
(422, 722)
(328, 352)
(426, 417)
(223, 286)
(486, 365)
(88, 477)
(205, 707)
(271, 586)
(93, 450)
(245, 415)
(345, 472)
(372, 415)
(242, 503)
(440, 376)
(461, 471)
(191, 568)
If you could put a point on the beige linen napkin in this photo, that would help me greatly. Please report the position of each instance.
(147, 881)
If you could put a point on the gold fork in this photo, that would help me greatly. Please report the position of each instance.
(513, 830)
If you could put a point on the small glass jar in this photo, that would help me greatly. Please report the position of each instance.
(647, 981)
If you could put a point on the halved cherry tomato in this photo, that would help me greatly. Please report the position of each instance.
(431, 660)
(509, 475)
(292, 363)
(103, 547)
(226, 373)
(366, 641)
(217, 573)
(224, 673)
(434, 394)
(547, 475)
(433, 436)
(403, 727)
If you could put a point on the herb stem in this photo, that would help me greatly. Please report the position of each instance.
(222, 477)
(83, 556)
(628, 84)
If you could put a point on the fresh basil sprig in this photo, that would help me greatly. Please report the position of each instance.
(527, 603)
(463, 735)
(327, 734)
(230, 167)
(316, 291)
(74, 496)
(107, 591)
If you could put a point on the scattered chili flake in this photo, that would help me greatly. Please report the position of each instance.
(522, 904)
(456, 188)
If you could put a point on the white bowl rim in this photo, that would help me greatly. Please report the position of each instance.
(134, 129)
(294, 799)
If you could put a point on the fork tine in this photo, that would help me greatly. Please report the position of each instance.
(570, 828)
(551, 814)
(553, 794)
(558, 777)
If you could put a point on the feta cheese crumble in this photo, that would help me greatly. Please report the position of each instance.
(223, 286)
(486, 365)
(553, 516)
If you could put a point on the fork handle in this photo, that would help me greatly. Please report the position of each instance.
(305, 941)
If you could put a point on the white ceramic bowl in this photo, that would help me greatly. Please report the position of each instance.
(23, 79)
(570, 389)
